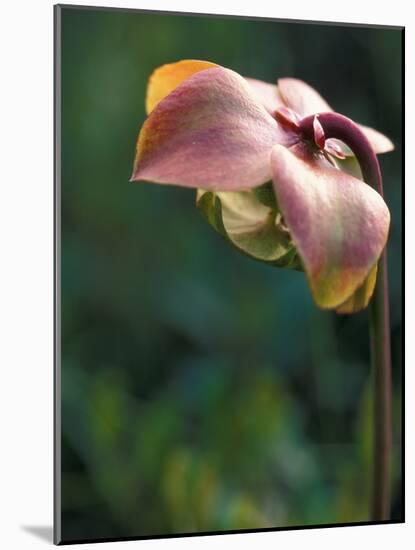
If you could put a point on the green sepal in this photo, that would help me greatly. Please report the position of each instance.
(251, 221)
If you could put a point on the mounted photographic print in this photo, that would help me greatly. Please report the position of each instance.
(228, 246)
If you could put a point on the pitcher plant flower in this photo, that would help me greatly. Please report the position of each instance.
(269, 162)
(274, 189)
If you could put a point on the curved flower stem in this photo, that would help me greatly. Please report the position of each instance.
(340, 127)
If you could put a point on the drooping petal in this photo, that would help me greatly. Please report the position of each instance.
(338, 223)
(305, 100)
(252, 227)
(210, 132)
(167, 77)
(361, 297)
(267, 94)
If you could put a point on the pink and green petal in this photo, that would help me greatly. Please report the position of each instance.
(338, 224)
(209, 132)
(361, 297)
(167, 77)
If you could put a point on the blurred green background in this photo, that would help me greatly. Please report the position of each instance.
(202, 390)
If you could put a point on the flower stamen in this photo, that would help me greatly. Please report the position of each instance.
(319, 135)
(288, 118)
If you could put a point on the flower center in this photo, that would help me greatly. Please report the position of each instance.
(291, 121)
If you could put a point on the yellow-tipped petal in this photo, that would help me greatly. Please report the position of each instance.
(167, 77)
(360, 299)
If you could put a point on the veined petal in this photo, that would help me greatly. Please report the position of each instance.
(210, 132)
(267, 94)
(305, 100)
(167, 77)
(338, 223)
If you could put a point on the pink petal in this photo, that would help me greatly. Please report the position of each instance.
(267, 94)
(210, 132)
(379, 142)
(301, 97)
(338, 223)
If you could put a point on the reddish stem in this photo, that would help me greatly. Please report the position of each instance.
(344, 129)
